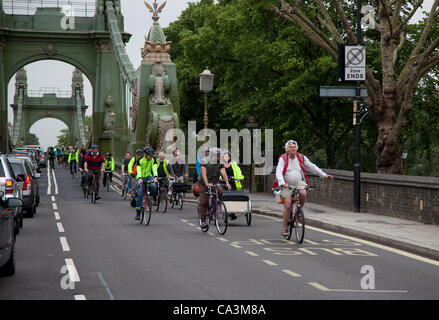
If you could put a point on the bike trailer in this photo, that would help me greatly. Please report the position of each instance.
(236, 202)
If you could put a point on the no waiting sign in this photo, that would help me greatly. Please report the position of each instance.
(354, 63)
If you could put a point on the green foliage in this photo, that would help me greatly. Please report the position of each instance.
(268, 68)
(33, 139)
(64, 138)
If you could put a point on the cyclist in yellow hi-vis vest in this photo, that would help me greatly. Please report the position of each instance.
(108, 167)
(164, 169)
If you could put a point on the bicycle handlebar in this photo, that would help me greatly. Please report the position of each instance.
(291, 187)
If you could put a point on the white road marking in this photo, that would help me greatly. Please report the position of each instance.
(80, 297)
(210, 233)
(222, 239)
(183, 220)
(49, 184)
(64, 244)
(60, 227)
(323, 288)
(291, 273)
(191, 224)
(54, 182)
(235, 245)
(53, 198)
(251, 253)
(372, 244)
(271, 263)
(54, 206)
(105, 286)
(73, 273)
(56, 215)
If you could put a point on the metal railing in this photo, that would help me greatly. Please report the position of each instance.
(45, 90)
(81, 8)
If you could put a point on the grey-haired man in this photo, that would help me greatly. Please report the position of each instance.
(294, 174)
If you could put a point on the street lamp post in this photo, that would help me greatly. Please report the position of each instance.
(403, 157)
(112, 118)
(206, 86)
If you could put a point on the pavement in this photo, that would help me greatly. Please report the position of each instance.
(411, 236)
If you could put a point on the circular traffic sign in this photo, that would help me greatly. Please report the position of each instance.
(355, 56)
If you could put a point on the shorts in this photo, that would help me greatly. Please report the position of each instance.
(286, 192)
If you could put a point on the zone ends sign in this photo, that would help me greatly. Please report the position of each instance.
(351, 63)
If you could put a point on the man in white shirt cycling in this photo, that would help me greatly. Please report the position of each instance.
(294, 174)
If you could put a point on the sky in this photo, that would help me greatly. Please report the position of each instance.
(58, 74)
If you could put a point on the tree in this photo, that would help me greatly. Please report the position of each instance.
(407, 54)
(33, 139)
(64, 137)
(262, 68)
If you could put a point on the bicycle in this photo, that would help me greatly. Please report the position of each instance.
(92, 190)
(176, 197)
(216, 211)
(162, 199)
(107, 179)
(126, 187)
(73, 169)
(145, 213)
(297, 216)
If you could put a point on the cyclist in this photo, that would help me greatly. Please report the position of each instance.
(179, 167)
(124, 169)
(108, 166)
(58, 153)
(146, 172)
(291, 170)
(199, 159)
(94, 166)
(164, 170)
(65, 154)
(132, 171)
(83, 152)
(51, 155)
(73, 160)
(211, 168)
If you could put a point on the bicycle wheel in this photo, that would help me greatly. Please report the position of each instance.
(221, 218)
(248, 215)
(163, 200)
(299, 225)
(146, 211)
(180, 201)
(172, 200)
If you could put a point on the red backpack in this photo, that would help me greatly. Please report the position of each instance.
(301, 159)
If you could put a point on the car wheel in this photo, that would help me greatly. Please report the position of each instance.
(9, 268)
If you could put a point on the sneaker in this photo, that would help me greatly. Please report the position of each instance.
(204, 225)
(98, 197)
(137, 214)
(233, 216)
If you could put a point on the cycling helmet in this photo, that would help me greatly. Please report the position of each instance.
(139, 151)
(108, 154)
(94, 147)
(148, 150)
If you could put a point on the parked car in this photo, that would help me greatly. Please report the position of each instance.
(7, 234)
(23, 154)
(30, 186)
(11, 188)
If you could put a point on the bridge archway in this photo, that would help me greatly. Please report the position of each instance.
(89, 48)
(48, 139)
(66, 104)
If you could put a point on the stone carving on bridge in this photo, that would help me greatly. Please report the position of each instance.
(165, 123)
(50, 50)
(158, 83)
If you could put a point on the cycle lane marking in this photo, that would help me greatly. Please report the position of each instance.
(371, 244)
